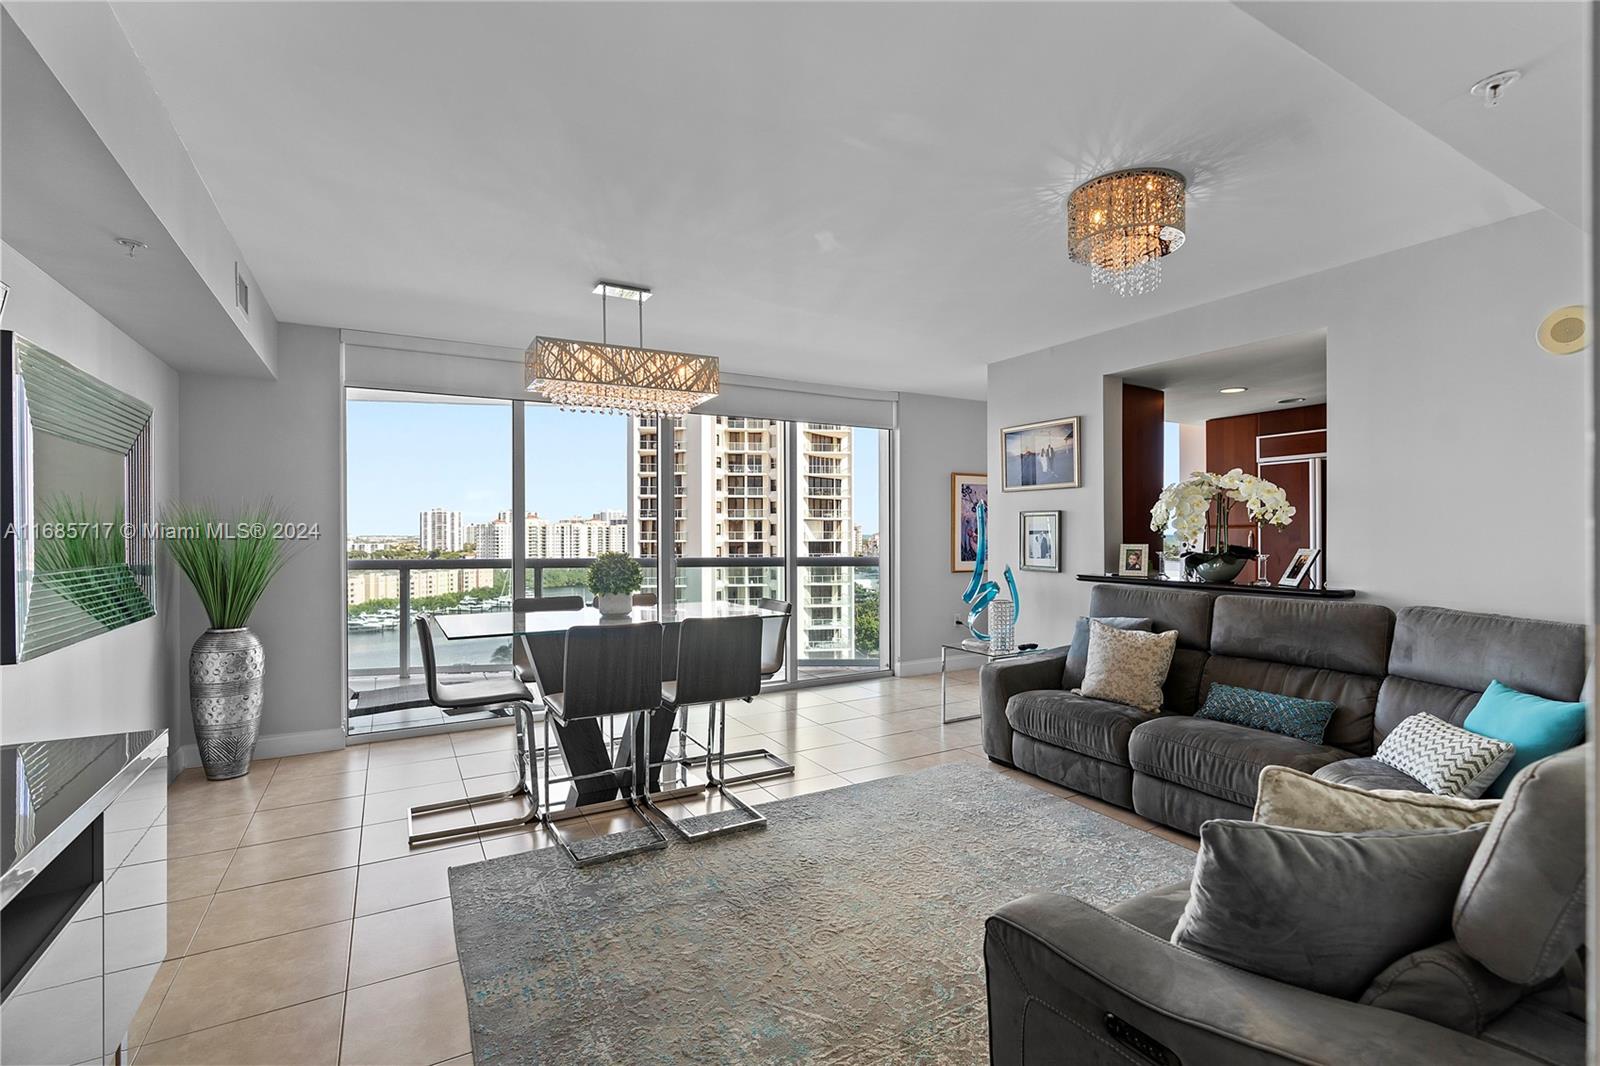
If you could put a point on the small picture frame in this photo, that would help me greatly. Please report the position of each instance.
(1133, 560)
(1040, 547)
(966, 492)
(1299, 566)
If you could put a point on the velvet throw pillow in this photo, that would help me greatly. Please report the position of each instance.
(1126, 666)
(1535, 725)
(1446, 759)
(1293, 798)
(1324, 911)
(1289, 716)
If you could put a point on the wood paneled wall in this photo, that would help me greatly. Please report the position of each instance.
(1231, 442)
(1143, 448)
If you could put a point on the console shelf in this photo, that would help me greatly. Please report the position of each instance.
(1218, 586)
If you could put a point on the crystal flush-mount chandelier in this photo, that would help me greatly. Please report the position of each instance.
(585, 376)
(1122, 223)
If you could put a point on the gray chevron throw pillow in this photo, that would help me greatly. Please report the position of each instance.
(1448, 759)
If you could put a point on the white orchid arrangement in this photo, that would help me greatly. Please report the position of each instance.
(1203, 501)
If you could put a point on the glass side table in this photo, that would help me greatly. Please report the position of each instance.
(944, 657)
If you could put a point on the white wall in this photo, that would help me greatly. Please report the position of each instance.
(246, 441)
(937, 436)
(1458, 448)
(126, 679)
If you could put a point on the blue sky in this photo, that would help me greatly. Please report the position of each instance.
(407, 457)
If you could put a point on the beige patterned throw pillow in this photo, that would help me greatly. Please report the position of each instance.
(1297, 800)
(1126, 666)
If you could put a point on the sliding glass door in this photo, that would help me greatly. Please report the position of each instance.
(460, 504)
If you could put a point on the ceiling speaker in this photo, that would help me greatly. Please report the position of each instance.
(1565, 330)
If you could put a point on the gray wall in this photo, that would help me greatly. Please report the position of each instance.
(1457, 472)
(937, 436)
(246, 441)
(126, 679)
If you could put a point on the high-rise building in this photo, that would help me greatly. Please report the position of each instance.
(440, 530)
(728, 487)
(492, 539)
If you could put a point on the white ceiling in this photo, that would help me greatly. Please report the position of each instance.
(1279, 368)
(856, 194)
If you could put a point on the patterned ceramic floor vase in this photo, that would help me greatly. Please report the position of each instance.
(225, 672)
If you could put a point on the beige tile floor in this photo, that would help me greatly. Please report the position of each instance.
(302, 929)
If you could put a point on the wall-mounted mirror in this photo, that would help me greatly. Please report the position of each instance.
(78, 556)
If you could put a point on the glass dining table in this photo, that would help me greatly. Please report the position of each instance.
(502, 624)
(583, 747)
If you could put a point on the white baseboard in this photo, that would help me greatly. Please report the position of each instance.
(913, 667)
(278, 745)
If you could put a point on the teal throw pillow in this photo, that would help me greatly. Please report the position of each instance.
(1291, 716)
(1537, 726)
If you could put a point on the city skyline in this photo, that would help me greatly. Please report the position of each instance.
(456, 456)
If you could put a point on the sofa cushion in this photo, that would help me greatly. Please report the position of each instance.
(1169, 607)
(1355, 695)
(1446, 986)
(1127, 666)
(1088, 726)
(1078, 650)
(1448, 759)
(1217, 758)
(1302, 719)
(1352, 638)
(1156, 911)
(1520, 910)
(1463, 650)
(1370, 774)
(1324, 911)
(1300, 800)
(1536, 726)
(1402, 697)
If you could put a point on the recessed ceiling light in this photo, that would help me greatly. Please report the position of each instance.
(620, 292)
(1294, 399)
(1233, 390)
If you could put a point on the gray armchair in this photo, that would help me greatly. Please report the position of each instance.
(1069, 983)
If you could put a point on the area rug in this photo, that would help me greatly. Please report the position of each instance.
(849, 930)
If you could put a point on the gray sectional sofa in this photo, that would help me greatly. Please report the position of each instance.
(1376, 666)
(1070, 983)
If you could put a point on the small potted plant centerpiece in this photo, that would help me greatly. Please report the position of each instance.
(615, 577)
(1197, 509)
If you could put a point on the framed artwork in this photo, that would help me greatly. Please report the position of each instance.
(1041, 540)
(1040, 455)
(1299, 566)
(966, 492)
(1133, 560)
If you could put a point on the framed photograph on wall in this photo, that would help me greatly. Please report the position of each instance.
(1300, 565)
(966, 492)
(1133, 560)
(1040, 455)
(1041, 540)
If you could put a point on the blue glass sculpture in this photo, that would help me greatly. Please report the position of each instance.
(981, 591)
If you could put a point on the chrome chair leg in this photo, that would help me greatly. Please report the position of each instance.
(525, 786)
(716, 753)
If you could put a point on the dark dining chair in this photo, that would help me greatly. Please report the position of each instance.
(607, 672)
(496, 693)
(719, 659)
(521, 656)
(774, 648)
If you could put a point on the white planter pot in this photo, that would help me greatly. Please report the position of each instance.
(615, 604)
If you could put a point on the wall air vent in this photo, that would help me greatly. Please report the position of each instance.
(241, 291)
